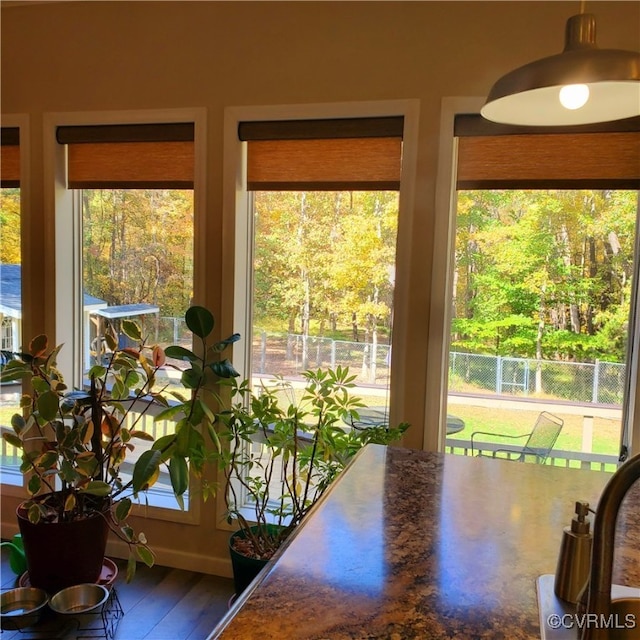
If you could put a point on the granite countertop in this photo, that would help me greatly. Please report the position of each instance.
(410, 544)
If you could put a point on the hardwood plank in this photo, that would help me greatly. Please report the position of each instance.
(160, 603)
(193, 614)
(139, 621)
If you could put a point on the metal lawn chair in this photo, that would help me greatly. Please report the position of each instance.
(540, 441)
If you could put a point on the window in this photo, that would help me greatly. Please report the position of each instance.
(317, 225)
(129, 204)
(11, 287)
(544, 308)
(323, 220)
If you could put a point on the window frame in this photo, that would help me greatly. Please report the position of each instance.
(237, 224)
(22, 122)
(237, 233)
(63, 206)
(444, 245)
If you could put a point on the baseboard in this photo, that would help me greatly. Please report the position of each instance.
(178, 559)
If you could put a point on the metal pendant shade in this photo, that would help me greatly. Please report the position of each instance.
(530, 95)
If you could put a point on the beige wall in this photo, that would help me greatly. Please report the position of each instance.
(97, 56)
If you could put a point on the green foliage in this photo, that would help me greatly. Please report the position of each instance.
(10, 226)
(324, 257)
(300, 447)
(559, 260)
(117, 223)
(79, 439)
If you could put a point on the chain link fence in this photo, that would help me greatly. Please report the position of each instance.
(166, 331)
(291, 354)
(598, 382)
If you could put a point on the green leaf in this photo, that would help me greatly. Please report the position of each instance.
(131, 567)
(223, 344)
(213, 434)
(110, 339)
(145, 555)
(14, 370)
(40, 385)
(188, 441)
(67, 472)
(123, 508)
(167, 414)
(47, 460)
(12, 439)
(86, 465)
(180, 353)
(131, 329)
(97, 488)
(145, 469)
(34, 485)
(33, 514)
(18, 422)
(191, 378)
(165, 444)
(206, 410)
(199, 321)
(179, 474)
(224, 369)
(97, 371)
(48, 405)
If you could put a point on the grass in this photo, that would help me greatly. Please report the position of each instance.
(606, 431)
(342, 332)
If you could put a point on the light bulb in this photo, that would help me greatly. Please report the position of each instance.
(574, 96)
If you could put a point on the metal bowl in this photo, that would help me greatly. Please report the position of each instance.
(81, 598)
(21, 607)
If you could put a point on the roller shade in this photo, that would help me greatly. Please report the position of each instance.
(324, 155)
(9, 157)
(153, 156)
(595, 157)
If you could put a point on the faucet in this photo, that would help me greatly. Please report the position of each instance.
(596, 597)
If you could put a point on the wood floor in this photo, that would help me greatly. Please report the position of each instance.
(159, 604)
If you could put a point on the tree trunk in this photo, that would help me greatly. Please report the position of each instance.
(539, 336)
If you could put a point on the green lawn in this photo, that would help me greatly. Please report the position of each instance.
(606, 432)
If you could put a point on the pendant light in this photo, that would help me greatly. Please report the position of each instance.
(581, 85)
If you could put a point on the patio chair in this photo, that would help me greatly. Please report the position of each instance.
(540, 440)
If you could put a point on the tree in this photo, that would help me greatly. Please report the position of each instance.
(323, 256)
(138, 246)
(559, 261)
(10, 226)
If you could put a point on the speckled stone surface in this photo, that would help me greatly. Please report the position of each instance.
(414, 545)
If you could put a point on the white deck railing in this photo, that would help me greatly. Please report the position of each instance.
(557, 457)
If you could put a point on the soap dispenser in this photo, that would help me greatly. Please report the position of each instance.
(574, 560)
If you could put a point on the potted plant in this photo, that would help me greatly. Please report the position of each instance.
(75, 444)
(284, 448)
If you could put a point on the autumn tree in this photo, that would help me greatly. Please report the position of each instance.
(138, 246)
(325, 258)
(10, 226)
(544, 274)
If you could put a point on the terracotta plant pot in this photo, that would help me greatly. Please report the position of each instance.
(63, 554)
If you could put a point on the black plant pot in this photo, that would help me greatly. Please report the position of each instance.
(245, 569)
(63, 554)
